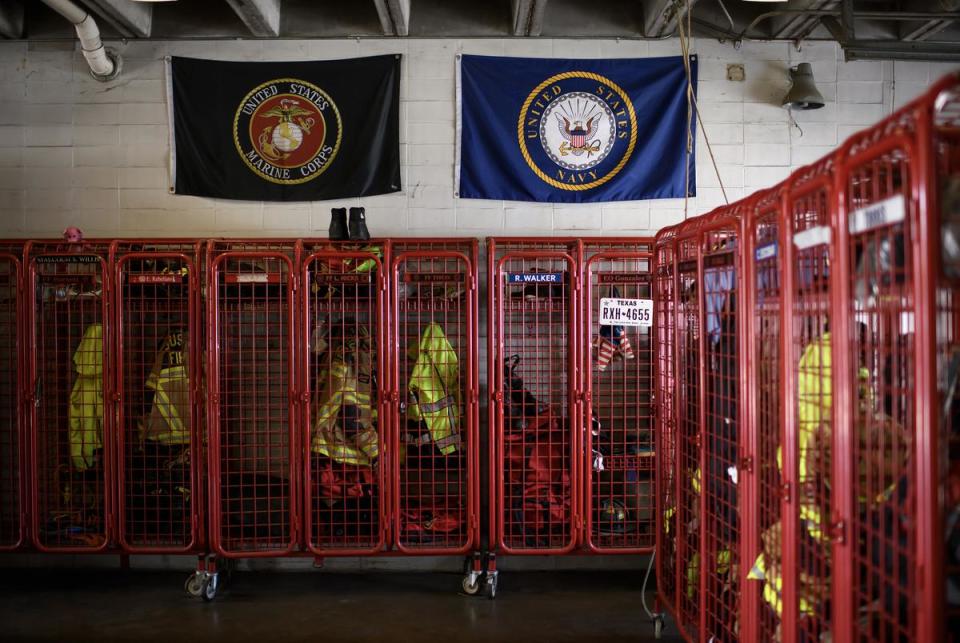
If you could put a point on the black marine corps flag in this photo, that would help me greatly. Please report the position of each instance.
(290, 131)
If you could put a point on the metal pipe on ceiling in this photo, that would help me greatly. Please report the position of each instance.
(897, 16)
(104, 65)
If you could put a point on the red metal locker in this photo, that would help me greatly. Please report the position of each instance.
(665, 312)
(536, 411)
(13, 509)
(254, 464)
(722, 394)
(346, 459)
(71, 462)
(896, 288)
(434, 396)
(689, 439)
(940, 338)
(809, 440)
(158, 372)
(618, 432)
(761, 603)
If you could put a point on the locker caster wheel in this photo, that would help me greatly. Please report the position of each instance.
(658, 627)
(194, 585)
(492, 586)
(210, 586)
(470, 585)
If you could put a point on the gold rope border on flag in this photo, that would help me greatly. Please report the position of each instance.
(336, 147)
(609, 175)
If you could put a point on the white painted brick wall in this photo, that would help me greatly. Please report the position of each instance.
(74, 151)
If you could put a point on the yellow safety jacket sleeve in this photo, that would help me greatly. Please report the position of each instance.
(435, 389)
(693, 569)
(814, 409)
(329, 438)
(85, 409)
(812, 591)
(169, 419)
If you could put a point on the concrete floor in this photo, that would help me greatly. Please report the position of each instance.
(99, 605)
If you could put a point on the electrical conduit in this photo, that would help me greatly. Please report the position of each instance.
(104, 65)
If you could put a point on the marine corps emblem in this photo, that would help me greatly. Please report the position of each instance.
(577, 130)
(287, 131)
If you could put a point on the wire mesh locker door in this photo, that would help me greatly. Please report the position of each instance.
(765, 281)
(806, 570)
(253, 441)
(345, 427)
(720, 342)
(881, 394)
(12, 507)
(69, 373)
(665, 307)
(689, 478)
(537, 418)
(156, 388)
(435, 475)
(435, 478)
(619, 434)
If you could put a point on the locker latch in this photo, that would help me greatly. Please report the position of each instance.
(838, 531)
(785, 492)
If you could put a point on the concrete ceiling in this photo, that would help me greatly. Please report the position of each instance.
(890, 29)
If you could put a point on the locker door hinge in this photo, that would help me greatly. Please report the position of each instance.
(305, 397)
(497, 396)
(393, 396)
(785, 492)
(473, 396)
(746, 464)
(473, 283)
(838, 531)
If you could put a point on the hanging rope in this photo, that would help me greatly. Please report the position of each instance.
(684, 33)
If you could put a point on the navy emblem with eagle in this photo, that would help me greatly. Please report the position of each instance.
(577, 130)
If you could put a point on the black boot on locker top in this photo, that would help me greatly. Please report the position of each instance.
(338, 224)
(358, 225)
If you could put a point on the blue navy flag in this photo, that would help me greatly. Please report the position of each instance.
(573, 131)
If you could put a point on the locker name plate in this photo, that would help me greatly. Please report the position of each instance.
(252, 278)
(883, 213)
(154, 278)
(535, 278)
(68, 259)
(343, 278)
(626, 312)
(431, 277)
(618, 278)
